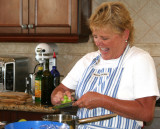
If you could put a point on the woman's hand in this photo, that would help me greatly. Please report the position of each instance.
(89, 100)
(57, 95)
(57, 98)
(139, 109)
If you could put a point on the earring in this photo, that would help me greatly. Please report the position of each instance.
(126, 41)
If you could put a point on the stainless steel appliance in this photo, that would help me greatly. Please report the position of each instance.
(13, 71)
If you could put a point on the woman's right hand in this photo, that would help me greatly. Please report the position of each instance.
(58, 93)
(57, 98)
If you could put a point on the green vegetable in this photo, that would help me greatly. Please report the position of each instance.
(66, 100)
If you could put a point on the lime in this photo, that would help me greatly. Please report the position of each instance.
(66, 100)
(65, 97)
(22, 120)
(69, 100)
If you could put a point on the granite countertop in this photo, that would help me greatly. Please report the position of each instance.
(29, 107)
(37, 107)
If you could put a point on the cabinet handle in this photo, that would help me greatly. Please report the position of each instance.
(30, 26)
(24, 26)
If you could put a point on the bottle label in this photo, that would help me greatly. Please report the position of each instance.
(38, 88)
(56, 81)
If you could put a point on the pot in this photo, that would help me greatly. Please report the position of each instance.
(73, 121)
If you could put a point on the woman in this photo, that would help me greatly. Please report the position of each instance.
(117, 79)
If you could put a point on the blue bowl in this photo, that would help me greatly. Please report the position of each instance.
(36, 125)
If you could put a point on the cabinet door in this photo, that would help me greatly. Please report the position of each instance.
(13, 16)
(53, 16)
(39, 20)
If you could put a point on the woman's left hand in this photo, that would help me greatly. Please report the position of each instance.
(89, 100)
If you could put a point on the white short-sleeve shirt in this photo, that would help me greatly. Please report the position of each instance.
(138, 79)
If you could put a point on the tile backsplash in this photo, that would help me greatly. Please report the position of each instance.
(145, 14)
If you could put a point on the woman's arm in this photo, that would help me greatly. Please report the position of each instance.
(140, 109)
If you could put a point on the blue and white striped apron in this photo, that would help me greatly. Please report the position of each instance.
(104, 81)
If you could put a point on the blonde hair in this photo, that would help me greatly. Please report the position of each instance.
(114, 14)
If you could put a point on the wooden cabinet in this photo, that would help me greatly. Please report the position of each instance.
(13, 116)
(39, 20)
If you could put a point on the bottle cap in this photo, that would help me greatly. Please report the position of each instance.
(40, 68)
(54, 55)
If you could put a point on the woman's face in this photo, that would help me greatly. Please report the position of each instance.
(110, 44)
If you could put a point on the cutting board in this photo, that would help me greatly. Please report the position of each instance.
(15, 97)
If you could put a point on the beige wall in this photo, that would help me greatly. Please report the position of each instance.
(145, 14)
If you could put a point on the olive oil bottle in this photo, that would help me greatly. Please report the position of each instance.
(47, 85)
(38, 83)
